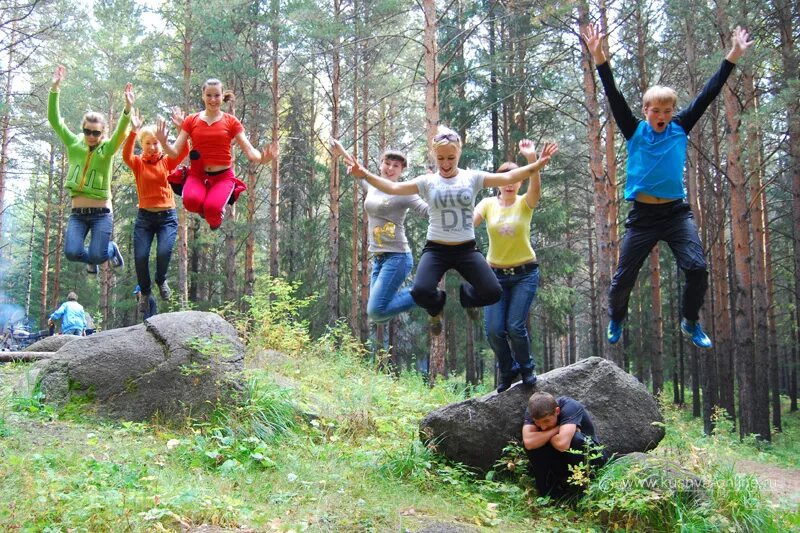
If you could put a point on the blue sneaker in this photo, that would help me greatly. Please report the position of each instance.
(116, 256)
(693, 329)
(614, 331)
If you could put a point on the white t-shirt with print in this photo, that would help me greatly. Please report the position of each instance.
(450, 204)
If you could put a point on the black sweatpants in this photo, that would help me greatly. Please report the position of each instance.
(647, 224)
(481, 288)
(550, 467)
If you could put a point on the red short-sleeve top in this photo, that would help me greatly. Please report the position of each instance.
(214, 141)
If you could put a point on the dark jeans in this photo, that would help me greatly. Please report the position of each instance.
(482, 287)
(550, 467)
(100, 249)
(646, 225)
(507, 323)
(149, 224)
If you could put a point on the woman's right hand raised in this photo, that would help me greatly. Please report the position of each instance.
(161, 131)
(136, 120)
(547, 152)
(58, 77)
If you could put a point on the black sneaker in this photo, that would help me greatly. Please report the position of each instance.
(503, 386)
(529, 379)
(164, 291)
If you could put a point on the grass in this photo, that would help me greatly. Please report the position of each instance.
(327, 442)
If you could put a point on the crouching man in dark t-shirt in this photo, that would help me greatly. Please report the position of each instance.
(552, 431)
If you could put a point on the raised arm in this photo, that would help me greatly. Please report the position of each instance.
(688, 117)
(130, 142)
(389, 187)
(124, 120)
(623, 115)
(534, 192)
(519, 174)
(171, 150)
(53, 111)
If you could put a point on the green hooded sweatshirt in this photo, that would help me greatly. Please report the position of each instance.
(89, 172)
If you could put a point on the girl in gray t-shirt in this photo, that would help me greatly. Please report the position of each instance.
(450, 193)
(391, 260)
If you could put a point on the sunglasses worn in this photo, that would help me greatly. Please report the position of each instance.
(452, 137)
(92, 133)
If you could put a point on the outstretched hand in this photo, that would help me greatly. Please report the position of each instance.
(177, 115)
(739, 44)
(136, 120)
(527, 150)
(337, 149)
(161, 131)
(130, 98)
(594, 42)
(548, 151)
(355, 169)
(270, 152)
(58, 76)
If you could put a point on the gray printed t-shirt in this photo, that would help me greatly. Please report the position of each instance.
(450, 204)
(386, 214)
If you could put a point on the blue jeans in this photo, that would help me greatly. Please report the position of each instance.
(386, 299)
(507, 323)
(100, 249)
(149, 224)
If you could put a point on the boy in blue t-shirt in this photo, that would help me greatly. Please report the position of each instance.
(656, 157)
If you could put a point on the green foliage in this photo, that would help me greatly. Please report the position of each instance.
(5, 431)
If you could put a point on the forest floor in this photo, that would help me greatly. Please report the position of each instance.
(780, 483)
(358, 468)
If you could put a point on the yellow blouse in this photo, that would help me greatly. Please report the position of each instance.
(509, 231)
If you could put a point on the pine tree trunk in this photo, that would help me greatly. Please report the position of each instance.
(335, 185)
(183, 219)
(275, 184)
(46, 240)
(62, 173)
(599, 180)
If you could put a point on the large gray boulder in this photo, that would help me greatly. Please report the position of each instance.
(51, 344)
(475, 431)
(174, 365)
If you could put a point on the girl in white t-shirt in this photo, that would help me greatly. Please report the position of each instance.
(450, 194)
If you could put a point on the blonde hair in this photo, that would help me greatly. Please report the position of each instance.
(658, 94)
(445, 136)
(145, 132)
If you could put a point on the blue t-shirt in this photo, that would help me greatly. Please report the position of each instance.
(655, 162)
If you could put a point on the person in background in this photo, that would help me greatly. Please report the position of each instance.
(72, 316)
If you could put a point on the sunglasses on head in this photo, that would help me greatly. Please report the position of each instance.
(452, 137)
(91, 133)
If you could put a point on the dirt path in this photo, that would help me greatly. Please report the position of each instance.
(781, 484)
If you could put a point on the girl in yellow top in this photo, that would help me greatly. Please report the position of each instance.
(508, 221)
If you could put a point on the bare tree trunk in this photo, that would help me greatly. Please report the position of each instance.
(5, 127)
(760, 297)
(743, 283)
(438, 345)
(363, 232)
(595, 319)
(183, 221)
(355, 315)
(774, 354)
(274, 193)
(46, 240)
(62, 172)
(599, 180)
(29, 284)
(335, 185)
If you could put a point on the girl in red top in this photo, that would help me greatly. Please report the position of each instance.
(211, 182)
(157, 217)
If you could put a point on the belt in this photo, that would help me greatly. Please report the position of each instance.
(90, 210)
(519, 269)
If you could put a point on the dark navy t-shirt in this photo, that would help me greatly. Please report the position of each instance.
(572, 412)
